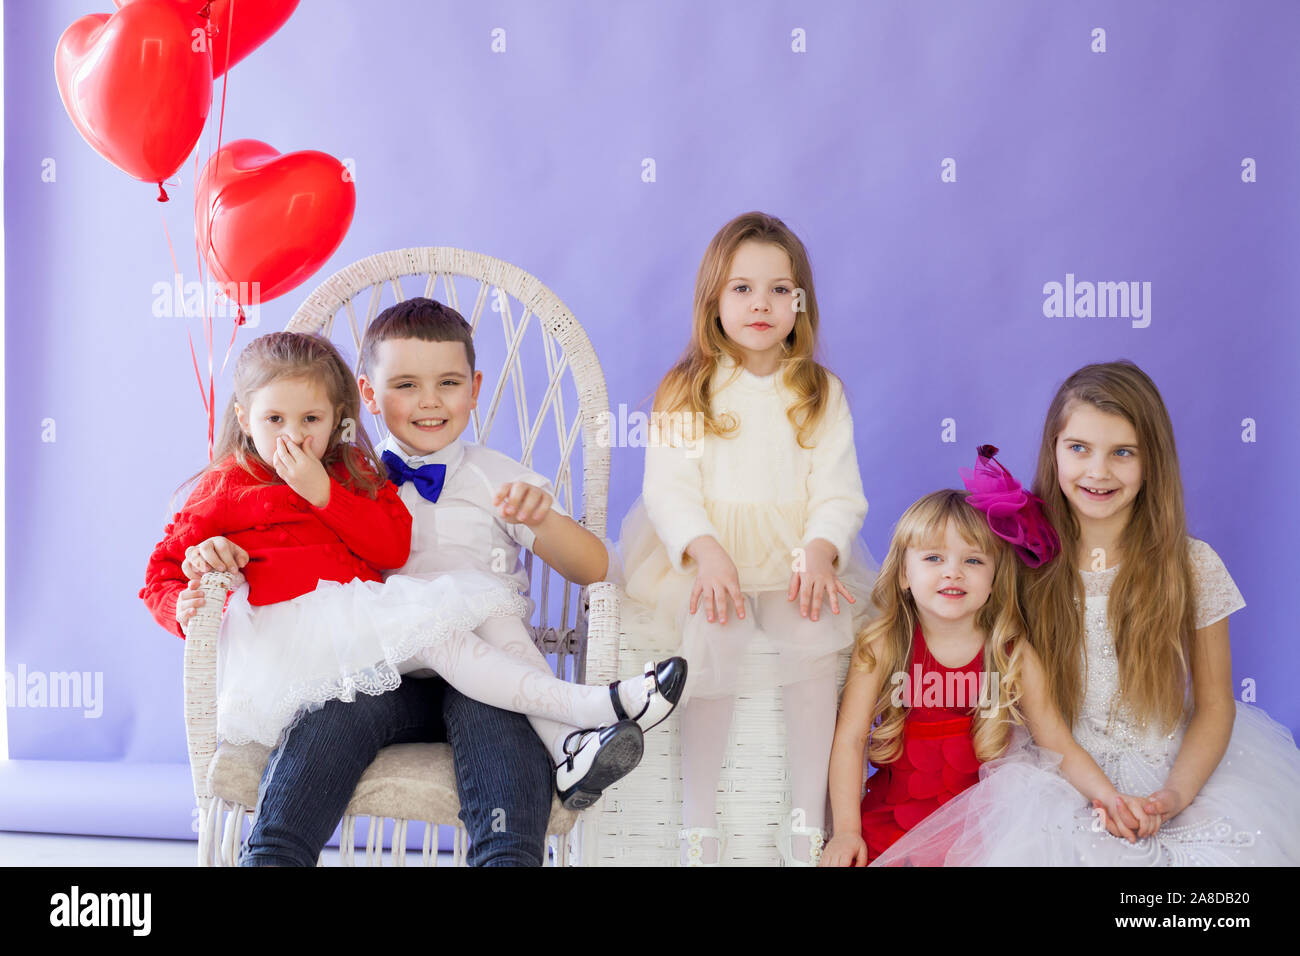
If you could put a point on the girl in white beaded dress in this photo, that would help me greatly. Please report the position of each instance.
(1131, 623)
(749, 520)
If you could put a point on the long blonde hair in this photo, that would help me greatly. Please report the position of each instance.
(296, 355)
(885, 644)
(1151, 604)
(686, 387)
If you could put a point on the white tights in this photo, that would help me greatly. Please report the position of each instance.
(810, 708)
(499, 665)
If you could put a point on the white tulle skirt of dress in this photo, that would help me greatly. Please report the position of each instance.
(278, 661)
(1023, 812)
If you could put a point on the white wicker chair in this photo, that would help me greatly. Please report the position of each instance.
(416, 781)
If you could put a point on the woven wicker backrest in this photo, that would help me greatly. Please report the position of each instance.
(542, 384)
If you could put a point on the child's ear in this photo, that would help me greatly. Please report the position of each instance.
(367, 391)
(242, 417)
(478, 383)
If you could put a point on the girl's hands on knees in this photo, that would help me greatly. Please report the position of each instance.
(817, 582)
(717, 583)
(845, 849)
(302, 470)
(214, 554)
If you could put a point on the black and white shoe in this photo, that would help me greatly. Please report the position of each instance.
(664, 683)
(595, 759)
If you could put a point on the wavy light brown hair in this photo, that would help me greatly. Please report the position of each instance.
(296, 355)
(1151, 605)
(686, 387)
(885, 644)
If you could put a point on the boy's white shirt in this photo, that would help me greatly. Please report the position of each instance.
(463, 530)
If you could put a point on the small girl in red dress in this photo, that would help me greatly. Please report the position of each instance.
(943, 676)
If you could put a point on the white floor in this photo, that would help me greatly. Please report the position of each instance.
(50, 849)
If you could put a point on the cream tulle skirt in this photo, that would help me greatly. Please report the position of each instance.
(657, 616)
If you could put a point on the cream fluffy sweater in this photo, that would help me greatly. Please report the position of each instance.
(757, 490)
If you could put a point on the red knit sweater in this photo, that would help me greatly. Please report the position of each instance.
(292, 545)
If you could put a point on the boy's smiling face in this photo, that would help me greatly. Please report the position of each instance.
(424, 390)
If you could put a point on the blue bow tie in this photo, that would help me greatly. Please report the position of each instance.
(428, 478)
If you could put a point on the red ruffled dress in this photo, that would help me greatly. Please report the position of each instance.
(937, 761)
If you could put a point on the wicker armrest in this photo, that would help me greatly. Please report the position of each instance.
(603, 627)
(201, 678)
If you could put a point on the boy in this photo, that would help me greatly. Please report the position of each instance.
(475, 508)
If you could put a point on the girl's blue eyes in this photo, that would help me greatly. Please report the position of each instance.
(275, 418)
(929, 556)
(744, 288)
(1128, 452)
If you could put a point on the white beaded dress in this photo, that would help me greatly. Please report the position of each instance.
(1023, 811)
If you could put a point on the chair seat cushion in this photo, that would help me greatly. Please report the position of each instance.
(405, 782)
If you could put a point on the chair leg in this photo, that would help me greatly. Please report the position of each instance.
(589, 846)
(234, 832)
(347, 836)
(205, 832)
(371, 859)
(459, 850)
(399, 843)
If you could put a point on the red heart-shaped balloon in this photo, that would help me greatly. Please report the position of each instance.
(253, 23)
(135, 88)
(265, 222)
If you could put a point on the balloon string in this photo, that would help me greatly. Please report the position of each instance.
(208, 398)
(225, 77)
(240, 318)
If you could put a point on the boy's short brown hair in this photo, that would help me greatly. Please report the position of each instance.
(418, 318)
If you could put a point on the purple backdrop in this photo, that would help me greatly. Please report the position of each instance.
(1122, 165)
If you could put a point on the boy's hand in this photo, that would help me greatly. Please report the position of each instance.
(302, 470)
(522, 503)
(214, 554)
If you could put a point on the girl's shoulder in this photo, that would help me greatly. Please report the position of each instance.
(834, 388)
(1216, 595)
(218, 477)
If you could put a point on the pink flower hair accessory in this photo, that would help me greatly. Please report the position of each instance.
(1013, 514)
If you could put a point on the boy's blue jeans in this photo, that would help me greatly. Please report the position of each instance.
(503, 773)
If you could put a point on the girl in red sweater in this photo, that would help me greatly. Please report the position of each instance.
(296, 484)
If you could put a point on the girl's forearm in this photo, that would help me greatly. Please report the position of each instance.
(1078, 767)
(845, 786)
(1203, 747)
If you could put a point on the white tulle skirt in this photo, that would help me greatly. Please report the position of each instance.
(278, 661)
(1023, 812)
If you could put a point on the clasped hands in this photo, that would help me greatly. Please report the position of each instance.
(1133, 818)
